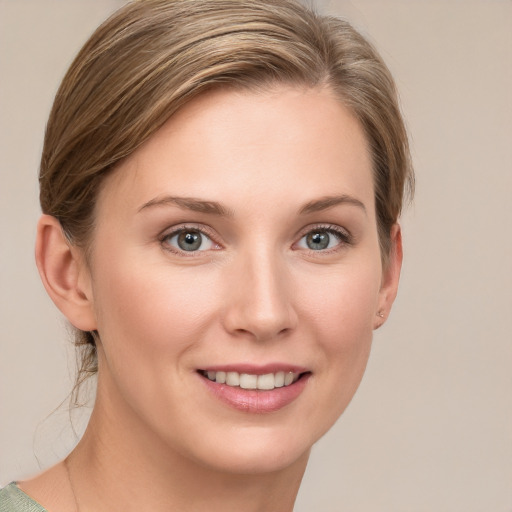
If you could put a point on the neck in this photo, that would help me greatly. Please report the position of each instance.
(125, 468)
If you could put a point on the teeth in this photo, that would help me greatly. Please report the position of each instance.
(232, 379)
(288, 379)
(249, 381)
(267, 381)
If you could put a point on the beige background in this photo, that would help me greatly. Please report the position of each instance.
(430, 429)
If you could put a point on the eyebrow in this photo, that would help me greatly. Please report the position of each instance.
(327, 202)
(189, 203)
(215, 208)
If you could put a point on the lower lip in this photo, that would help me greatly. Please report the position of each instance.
(254, 400)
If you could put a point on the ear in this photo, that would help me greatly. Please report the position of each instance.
(64, 274)
(390, 277)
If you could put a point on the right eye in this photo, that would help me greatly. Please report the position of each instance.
(189, 240)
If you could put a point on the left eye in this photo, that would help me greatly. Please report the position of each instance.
(190, 240)
(320, 240)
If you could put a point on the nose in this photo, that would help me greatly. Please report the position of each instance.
(259, 298)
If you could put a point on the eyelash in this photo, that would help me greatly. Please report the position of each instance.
(167, 236)
(342, 235)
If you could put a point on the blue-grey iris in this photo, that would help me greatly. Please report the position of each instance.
(318, 240)
(190, 240)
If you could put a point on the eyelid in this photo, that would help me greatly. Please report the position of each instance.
(176, 230)
(344, 236)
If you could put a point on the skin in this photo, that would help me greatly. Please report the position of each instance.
(256, 293)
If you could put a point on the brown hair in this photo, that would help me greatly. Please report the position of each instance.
(153, 56)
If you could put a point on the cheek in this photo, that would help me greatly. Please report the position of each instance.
(148, 313)
(341, 303)
(341, 316)
(150, 320)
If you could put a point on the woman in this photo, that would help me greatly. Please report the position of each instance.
(220, 184)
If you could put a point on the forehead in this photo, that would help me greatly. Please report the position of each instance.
(234, 146)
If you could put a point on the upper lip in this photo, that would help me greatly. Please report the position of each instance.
(253, 369)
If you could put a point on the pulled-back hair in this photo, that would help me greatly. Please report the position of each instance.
(151, 57)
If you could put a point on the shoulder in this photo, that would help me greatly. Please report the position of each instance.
(13, 499)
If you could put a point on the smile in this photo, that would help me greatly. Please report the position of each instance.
(265, 382)
(256, 389)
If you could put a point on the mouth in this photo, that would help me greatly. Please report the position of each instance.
(252, 381)
(255, 388)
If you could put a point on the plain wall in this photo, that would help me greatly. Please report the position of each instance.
(430, 429)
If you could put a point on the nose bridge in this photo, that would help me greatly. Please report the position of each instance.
(261, 303)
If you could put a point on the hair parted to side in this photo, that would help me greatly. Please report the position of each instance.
(151, 57)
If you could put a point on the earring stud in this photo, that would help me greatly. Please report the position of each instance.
(380, 314)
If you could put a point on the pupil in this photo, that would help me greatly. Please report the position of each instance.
(189, 241)
(317, 241)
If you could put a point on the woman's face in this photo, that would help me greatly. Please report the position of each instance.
(238, 243)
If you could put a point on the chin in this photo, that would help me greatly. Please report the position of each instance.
(255, 449)
(259, 456)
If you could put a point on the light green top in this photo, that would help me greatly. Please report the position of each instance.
(13, 499)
